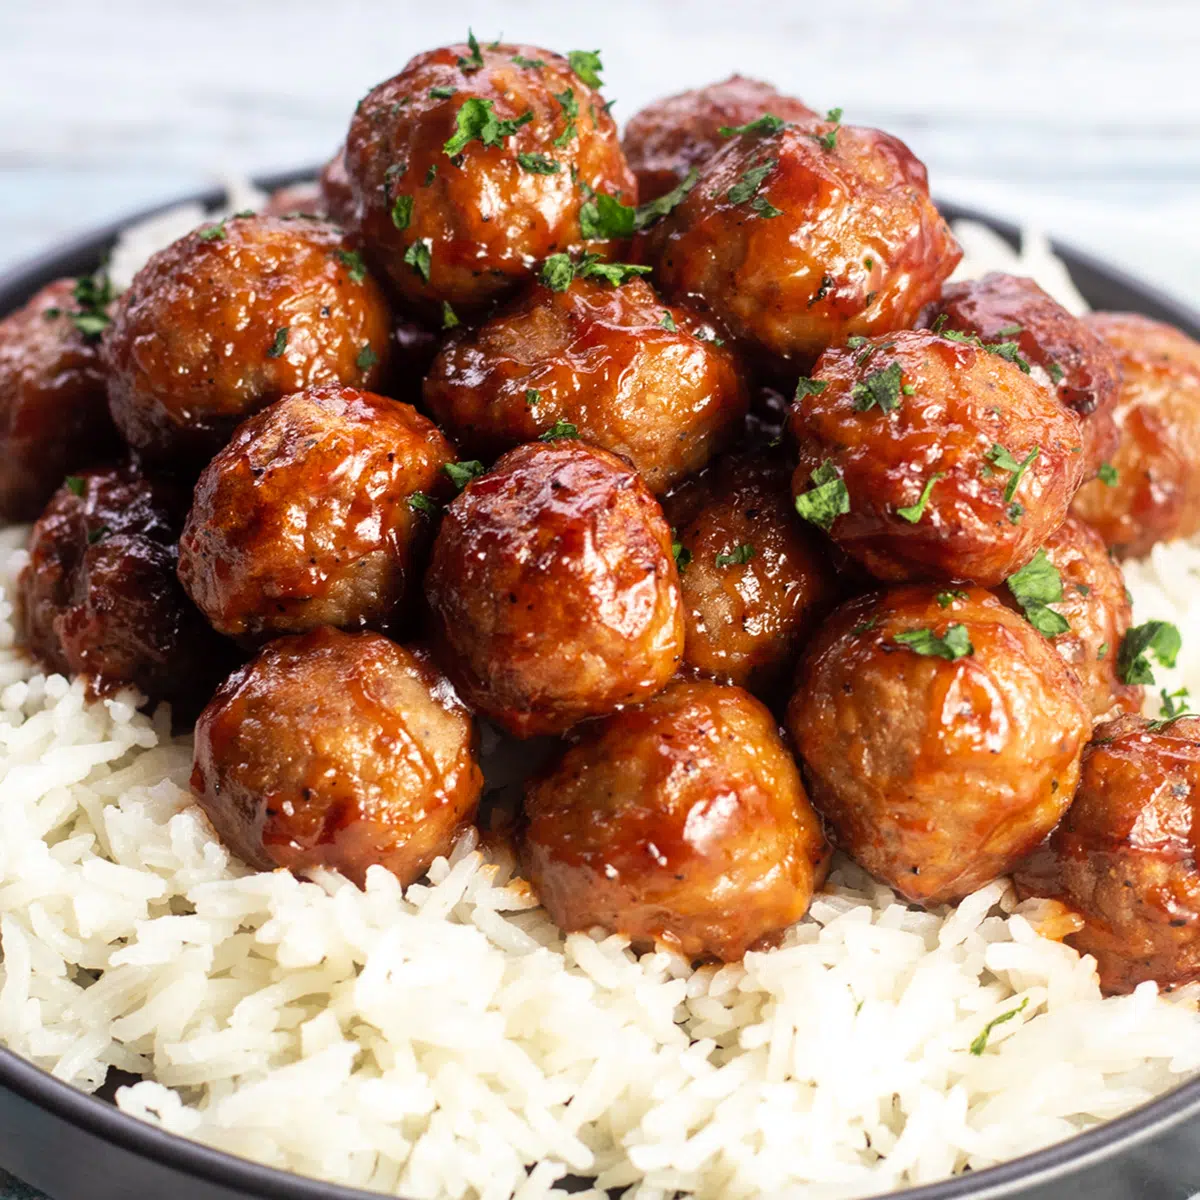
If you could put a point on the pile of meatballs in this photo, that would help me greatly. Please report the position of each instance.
(676, 454)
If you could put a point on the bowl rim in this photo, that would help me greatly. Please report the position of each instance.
(106, 1122)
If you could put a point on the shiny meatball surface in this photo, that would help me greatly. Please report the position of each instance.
(682, 820)
(307, 517)
(755, 580)
(1063, 352)
(338, 750)
(630, 373)
(53, 408)
(468, 168)
(99, 596)
(664, 140)
(553, 589)
(956, 465)
(1152, 491)
(795, 247)
(941, 737)
(1124, 856)
(231, 317)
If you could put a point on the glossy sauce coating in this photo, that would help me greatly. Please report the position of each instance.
(53, 408)
(1155, 495)
(682, 820)
(553, 589)
(756, 580)
(338, 750)
(964, 402)
(937, 776)
(632, 374)
(1124, 856)
(856, 246)
(1063, 352)
(664, 140)
(305, 519)
(232, 317)
(485, 220)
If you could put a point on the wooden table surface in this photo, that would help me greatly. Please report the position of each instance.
(1082, 116)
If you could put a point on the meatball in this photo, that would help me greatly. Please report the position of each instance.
(799, 239)
(553, 589)
(952, 462)
(339, 750)
(664, 140)
(754, 579)
(234, 316)
(940, 734)
(1125, 854)
(99, 596)
(296, 200)
(316, 513)
(53, 410)
(470, 166)
(1093, 604)
(1150, 492)
(682, 820)
(1061, 351)
(628, 372)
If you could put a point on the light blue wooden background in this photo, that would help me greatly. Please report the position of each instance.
(1081, 115)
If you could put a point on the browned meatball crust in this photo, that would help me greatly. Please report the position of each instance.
(664, 140)
(553, 589)
(915, 416)
(937, 773)
(1125, 854)
(1152, 491)
(630, 373)
(53, 409)
(1062, 351)
(682, 820)
(337, 750)
(99, 596)
(754, 578)
(234, 316)
(308, 516)
(459, 221)
(794, 246)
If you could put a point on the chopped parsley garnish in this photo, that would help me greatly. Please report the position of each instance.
(682, 556)
(766, 125)
(979, 1045)
(1005, 461)
(477, 120)
(912, 513)
(74, 484)
(646, 214)
(353, 262)
(98, 534)
(367, 358)
(809, 387)
(532, 63)
(279, 345)
(1035, 586)
(430, 174)
(449, 316)
(741, 554)
(880, 389)
(1009, 351)
(402, 208)
(461, 473)
(560, 429)
(1174, 704)
(474, 60)
(602, 216)
(746, 189)
(668, 322)
(538, 164)
(1108, 474)
(419, 256)
(212, 233)
(1102, 650)
(1010, 330)
(423, 503)
(827, 141)
(1055, 372)
(827, 499)
(570, 107)
(954, 644)
(558, 271)
(532, 397)
(1015, 512)
(1159, 638)
(442, 93)
(587, 65)
(865, 626)
(93, 294)
(945, 599)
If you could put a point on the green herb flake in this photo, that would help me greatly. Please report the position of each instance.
(682, 556)
(864, 627)
(354, 264)
(212, 233)
(1158, 638)
(1008, 331)
(419, 256)
(1055, 372)
(74, 484)
(538, 164)
(1014, 512)
(420, 502)
(279, 345)
(827, 499)
(97, 535)
(880, 389)
(402, 207)
(570, 108)
(1174, 704)
(461, 473)
(668, 322)
(532, 397)
(952, 645)
(430, 174)
(476, 120)
(945, 599)
(557, 272)
(1102, 650)
(765, 125)
(1005, 461)
(587, 65)
(449, 316)
(367, 358)
(1108, 474)
(560, 429)
(752, 179)
(591, 267)
(474, 60)
(604, 217)
(531, 63)
(442, 93)
(828, 140)
(809, 387)
(979, 1045)
(93, 294)
(738, 557)
(912, 513)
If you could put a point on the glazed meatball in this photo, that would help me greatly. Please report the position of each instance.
(232, 317)
(754, 579)
(470, 166)
(53, 411)
(954, 463)
(316, 513)
(1150, 492)
(1061, 351)
(666, 139)
(296, 200)
(794, 241)
(337, 750)
(553, 589)
(1124, 856)
(682, 820)
(628, 372)
(1094, 604)
(941, 737)
(99, 596)
(337, 196)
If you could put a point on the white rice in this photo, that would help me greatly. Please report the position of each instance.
(449, 1042)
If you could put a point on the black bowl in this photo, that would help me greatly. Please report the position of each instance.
(78, 1147)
